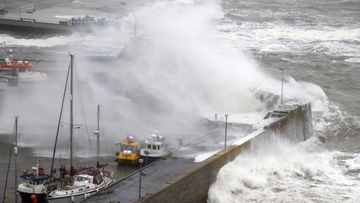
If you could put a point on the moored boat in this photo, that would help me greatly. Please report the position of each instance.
(129, 151)
(34, 185)
(8, 64)
(86, 182)
(154, 148)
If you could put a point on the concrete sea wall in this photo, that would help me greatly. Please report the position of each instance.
(293, 123)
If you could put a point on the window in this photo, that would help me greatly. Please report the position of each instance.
(79, 178)
(149, 146)
(159, 147)
(154, 146)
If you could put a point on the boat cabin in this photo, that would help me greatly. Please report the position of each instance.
(129, 151)
(88, 176)
(129, 145)
(31, 179)
(81, 180)
(155, 143)
(36, 177)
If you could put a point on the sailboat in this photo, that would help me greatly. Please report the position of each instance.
(34, 183)
(84, 181)
(33, 186)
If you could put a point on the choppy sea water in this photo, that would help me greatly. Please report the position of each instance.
(199, 57)
(314, 41)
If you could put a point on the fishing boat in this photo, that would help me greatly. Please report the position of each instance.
(9, 64)
(19, 71)
(129, 151)
(83, 181)
(34, 185)
(154, 148)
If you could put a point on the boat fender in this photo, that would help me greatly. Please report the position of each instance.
(33, 198)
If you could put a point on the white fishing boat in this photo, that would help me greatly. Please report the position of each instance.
(154, 148)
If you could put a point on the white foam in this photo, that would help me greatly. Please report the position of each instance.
(46, 42)
(288, 174)
(203, 156)
(353, 163)
(274, 37)
(352, 60)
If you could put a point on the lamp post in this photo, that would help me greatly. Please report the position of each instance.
(226, 117)
(282, 85)
(146, 157)
(140, 163)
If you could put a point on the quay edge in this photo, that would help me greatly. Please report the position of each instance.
(192, 187)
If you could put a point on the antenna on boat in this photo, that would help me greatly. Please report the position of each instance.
(15, 153)
(97, 133)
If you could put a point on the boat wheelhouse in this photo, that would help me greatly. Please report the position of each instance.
(154, 148)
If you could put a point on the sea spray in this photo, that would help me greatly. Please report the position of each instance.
(174, 70)
(285, 173)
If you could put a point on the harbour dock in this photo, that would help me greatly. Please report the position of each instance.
(62, 16)
(182, 180)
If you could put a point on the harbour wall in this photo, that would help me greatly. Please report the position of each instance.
(293, 123)
(32, 25)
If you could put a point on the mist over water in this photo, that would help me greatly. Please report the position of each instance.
(165, 68)
(172, 62)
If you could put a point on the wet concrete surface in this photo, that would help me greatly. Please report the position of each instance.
(154, 177)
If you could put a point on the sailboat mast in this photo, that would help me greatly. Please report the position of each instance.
(71, 109)
(98, 134)
(59, 122)
(15, 153)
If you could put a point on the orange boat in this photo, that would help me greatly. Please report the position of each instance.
(9, 64)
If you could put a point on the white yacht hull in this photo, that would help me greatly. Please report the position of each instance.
(78, 194)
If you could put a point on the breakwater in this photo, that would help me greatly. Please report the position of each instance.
(292, 122)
